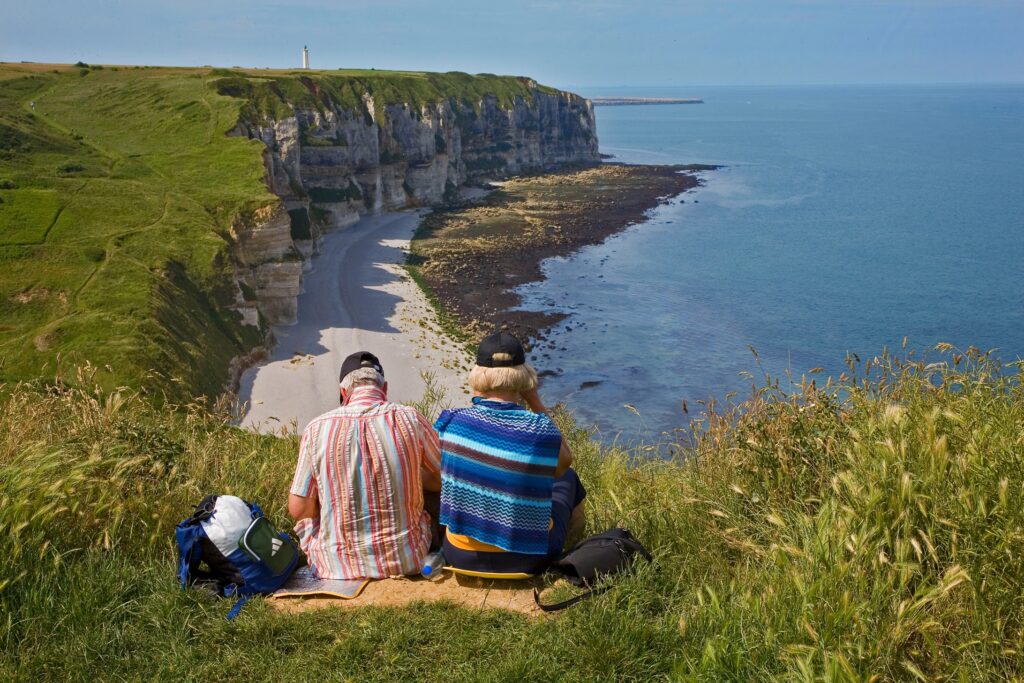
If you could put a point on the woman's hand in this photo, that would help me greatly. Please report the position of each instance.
(532, 399)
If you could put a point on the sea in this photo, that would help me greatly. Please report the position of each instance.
(843, 220)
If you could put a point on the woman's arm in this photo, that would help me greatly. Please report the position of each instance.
(532, 399)
(564, 459)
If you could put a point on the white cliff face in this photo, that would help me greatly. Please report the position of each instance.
(331, 165)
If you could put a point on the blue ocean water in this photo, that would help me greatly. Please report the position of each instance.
(845, 219)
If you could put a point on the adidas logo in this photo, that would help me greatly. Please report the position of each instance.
(275, 545)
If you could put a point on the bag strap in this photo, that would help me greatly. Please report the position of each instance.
(237, 607)
(637, 548)
(187, 536)
(571, 601)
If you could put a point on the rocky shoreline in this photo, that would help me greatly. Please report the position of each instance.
(471, 258)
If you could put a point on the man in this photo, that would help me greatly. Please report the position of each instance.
(358, 491)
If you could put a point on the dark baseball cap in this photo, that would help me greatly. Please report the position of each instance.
(360, 359)
(500, 343)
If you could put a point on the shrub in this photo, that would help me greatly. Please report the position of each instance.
(94, 254)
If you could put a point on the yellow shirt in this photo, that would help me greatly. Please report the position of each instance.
(468, 543)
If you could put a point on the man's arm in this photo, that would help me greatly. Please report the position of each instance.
(431, 480)
(302, 507)
(303, 500)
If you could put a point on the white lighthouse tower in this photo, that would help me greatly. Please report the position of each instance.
(305, 57)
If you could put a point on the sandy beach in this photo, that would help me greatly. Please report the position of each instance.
(357, 297)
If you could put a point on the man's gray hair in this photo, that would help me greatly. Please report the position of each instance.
(362, 377)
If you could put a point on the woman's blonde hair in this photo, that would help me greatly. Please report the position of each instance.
(517, 378)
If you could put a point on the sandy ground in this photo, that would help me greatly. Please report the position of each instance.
(474, 593)
(357, 297)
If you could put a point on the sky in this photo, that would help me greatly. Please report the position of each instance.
(565, 43)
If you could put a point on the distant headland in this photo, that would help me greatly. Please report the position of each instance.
(621, 101)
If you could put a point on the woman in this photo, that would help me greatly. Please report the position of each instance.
(508, 495)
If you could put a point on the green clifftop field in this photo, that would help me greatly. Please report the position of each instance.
(136, 233)
(120, 187)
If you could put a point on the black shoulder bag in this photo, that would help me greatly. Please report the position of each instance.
(611, 552)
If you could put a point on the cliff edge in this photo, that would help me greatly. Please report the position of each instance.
(339, 147)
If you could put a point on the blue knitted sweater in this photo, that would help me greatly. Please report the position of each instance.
(497, 469)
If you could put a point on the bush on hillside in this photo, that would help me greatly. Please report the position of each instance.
(69, 168)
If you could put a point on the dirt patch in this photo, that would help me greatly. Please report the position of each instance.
(470, 592)
(38, 294)
(44, 341)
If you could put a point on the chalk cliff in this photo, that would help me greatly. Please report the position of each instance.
(338, 148)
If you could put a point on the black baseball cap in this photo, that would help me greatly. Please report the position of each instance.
(360, 359)
(500, 343)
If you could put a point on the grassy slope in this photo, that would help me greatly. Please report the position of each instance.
(870, 530)
(125, 184)
(113, 236)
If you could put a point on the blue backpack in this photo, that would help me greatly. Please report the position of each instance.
(244, 554)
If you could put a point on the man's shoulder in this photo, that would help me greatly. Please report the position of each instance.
(329, 415)
(361, 412)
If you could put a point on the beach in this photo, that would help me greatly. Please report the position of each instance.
(357, 297)
(474, 257)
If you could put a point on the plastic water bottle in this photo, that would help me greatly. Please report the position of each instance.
(432, 566)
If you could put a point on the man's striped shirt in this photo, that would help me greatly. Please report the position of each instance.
(498, 465)
(363, 460)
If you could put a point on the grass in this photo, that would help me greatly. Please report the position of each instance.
(865, 529)
(125, 186)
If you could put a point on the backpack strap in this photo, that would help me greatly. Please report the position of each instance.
(570, 602)
(239, 604)
(190, 555)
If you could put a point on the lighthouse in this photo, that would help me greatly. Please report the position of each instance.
(305, 57)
